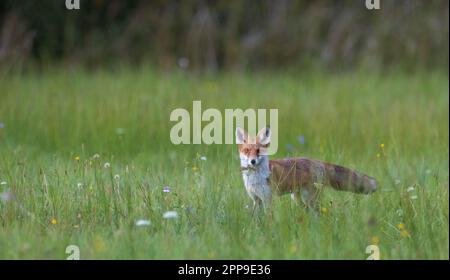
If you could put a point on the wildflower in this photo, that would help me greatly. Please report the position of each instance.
(5, 196)
(3, 183)
(77, 158)
(413, 197)
(378, 155)
(404, 233)
(399, 212)
(382, 146)
(375, 240)
(401, 226)
(324, 210)
(170, 215)
(372, 222)
(99, 245)
(79, 185)
(290, 147)
(107, 165)
(188, 209)
(195, 168)
(96, 156)
(54, 221)
(301, 139)
(141, 223)
(203, 158)
(166, 189)
(410, 189)
(117, 177)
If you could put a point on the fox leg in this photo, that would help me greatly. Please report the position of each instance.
(310, 197)
(257, 205)
(265, 195)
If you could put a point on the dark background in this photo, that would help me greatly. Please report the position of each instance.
(226, 35)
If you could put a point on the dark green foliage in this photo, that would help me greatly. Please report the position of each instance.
(227, 34)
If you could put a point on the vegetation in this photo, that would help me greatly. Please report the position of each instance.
(84, 156)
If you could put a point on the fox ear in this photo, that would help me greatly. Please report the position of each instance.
(241, 136)
(264, 136)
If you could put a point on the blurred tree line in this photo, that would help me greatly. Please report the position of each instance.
(226, 34)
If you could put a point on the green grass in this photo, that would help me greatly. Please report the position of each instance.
(55, 116)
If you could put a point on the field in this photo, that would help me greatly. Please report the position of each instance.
(85, 155)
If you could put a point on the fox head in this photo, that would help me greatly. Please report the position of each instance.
(253, 150)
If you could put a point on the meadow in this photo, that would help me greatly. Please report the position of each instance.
(86, 160)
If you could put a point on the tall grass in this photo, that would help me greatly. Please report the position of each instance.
(55, 192)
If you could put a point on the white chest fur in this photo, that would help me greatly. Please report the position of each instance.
(256, 183)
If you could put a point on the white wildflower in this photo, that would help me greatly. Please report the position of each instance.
(203, 158)
(117, 177)
(3, 183)
(170, 215)
(413, 197)
(141, 223)
(410, 189)
(107, 165)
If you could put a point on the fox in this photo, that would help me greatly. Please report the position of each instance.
(301, 177)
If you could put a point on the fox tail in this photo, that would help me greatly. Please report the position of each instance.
(346, 179)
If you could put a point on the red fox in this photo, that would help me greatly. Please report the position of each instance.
(300, 177)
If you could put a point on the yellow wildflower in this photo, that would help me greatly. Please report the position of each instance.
(404, 233)
(54, 221)
(375, 240)
(77, 158)
(99, 245)
(378, 155)
(401, 226)
(324, 210)
(382, 146)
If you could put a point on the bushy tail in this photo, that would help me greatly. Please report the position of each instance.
(346, 179)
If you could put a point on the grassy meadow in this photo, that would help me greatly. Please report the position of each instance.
(85, 155)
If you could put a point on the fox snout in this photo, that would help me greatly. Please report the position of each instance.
(249, 160)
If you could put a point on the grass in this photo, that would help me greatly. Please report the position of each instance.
(56, 193)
